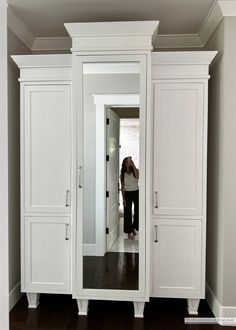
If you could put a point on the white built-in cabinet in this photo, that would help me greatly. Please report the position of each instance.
(46, 159)
(176, 166)
(179, 165)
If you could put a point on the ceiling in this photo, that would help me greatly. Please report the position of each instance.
(45, 18)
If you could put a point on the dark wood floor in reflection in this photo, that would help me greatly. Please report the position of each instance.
(58, 312)
(116, 270)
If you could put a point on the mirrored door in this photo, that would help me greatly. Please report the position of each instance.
(111, 200)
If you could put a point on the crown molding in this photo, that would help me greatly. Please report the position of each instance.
(219, 10)
(212, 20)
(16, 24)
(177, 41)
(51, 44)
(110, 36)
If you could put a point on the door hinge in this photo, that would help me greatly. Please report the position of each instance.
(107, 231)
(107, 193)
(108, 121)
(107, 158)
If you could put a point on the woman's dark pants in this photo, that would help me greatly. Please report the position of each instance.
(131, 197)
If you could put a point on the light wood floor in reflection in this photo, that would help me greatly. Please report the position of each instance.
(123, 244)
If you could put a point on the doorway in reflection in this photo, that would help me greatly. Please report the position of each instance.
(119, 267)
(128, 145)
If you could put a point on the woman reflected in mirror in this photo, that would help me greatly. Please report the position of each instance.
(130, 192)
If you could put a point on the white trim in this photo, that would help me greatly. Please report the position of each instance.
(79, 292)
(218, 310)
(210, 23)
(43, 61)
(4, 212)
(52, 44)
(220, 9)
(89, 250)
(164, 41)
(112, 36)
(16, 24)
(15, 295)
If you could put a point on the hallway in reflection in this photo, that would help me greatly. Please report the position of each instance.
(122, 243)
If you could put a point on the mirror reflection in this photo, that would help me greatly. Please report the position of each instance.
(111, 175)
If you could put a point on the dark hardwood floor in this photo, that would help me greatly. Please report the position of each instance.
(116, 270)
(59, 312)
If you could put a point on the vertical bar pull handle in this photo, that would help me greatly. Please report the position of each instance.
(156, 229)
(67, 198)
(80, 177)
(66, 235)
(156, 199)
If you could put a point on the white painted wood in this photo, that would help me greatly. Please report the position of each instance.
(212, 20)
(180, 65)
(35, 68)
(178, 148)
(4, 192)
(193, 305)
(177, 258)
(43, 60)
(33, 299)
(47, 148)
(100, 180)
(51, 44)
(138, 309)
(15, 295)
(225, 314)
(82, 306)
(130, 295)
(47, 254)
(112, 176)
(112, 36)
(173, 41)
(16, 24)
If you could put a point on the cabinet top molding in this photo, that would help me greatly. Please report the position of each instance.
(43, 61)
(181, 58)
(110, 36)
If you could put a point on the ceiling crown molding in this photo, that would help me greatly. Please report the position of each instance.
(52, 44)
(16, 24)
(178, 41)
(220, 9)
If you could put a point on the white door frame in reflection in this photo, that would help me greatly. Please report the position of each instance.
(102, 101)
(142, 294)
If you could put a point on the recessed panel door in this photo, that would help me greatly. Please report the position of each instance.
(178, 149)
(47, 148)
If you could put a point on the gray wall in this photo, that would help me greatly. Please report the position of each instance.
(15, 46)
(221, 230)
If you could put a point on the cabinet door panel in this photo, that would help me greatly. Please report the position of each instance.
(47, 148)
(47, 254)
(176, 260)
(178, 148)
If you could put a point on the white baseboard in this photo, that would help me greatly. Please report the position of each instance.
(14, 296)
(89, 250)
(219, 311)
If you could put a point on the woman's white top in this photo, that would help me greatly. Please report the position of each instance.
(131, 182)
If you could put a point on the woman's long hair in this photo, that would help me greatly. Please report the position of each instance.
(123, 169)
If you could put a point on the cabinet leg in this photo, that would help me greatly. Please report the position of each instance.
(82, 306)
(193, 305)
(138, 308)
(33, 299)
